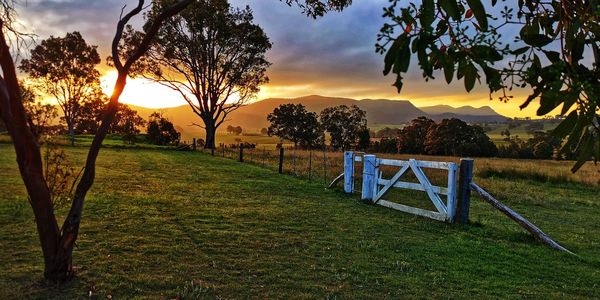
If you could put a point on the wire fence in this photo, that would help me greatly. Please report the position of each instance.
(316, 165)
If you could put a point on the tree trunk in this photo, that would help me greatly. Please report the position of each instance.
(71, 132)
(211, 130)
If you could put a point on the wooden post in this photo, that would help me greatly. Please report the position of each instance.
(465, 176)
(451, 197)
(223, 148)
(194, 144)
(370, 170)
(348, 172)
(281, 160)
(212, 150)
(241, 152)
(294, 159)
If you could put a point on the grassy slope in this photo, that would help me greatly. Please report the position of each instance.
(158, 220)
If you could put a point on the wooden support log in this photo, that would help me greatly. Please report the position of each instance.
(335, 181)
(534, 230)
(281, 160)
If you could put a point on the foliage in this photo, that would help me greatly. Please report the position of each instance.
(384, 145)
(457, 138)
(344, 125)
(555, 54)
(543, 145)
(59, 174)
(39, 116)
(126, 121)
(411, 138)
(65, 68)
(212, 54)
(294, 123)
(364, 139)
(237, 130)
(160, 131)
(387, 132)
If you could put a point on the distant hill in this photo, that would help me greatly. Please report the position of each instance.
(379, 111)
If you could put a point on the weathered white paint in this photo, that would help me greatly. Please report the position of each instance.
(348, 172)
(375, 187)
(452, 188)
(413, 210)
(369, 177)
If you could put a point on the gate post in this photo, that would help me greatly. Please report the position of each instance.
(370, 170)
(348, 172)
(465, 176)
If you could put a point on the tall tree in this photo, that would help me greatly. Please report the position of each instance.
(457, 138)
(344, 125)
(554, 52)
(294, 123)
(57, 242)
(66, 69)
(213, 56)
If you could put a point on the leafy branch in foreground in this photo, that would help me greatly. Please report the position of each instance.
(555, 54)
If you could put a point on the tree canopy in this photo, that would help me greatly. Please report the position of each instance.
(345, 126)
(554, 54)
(65, 67)
(294, 123)
(213, 55)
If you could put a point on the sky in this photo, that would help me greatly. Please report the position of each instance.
(331, 56)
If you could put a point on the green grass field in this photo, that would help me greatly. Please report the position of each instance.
(163, 224)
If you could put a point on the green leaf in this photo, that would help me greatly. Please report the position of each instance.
(427, 13)
(451, 8)
(470, 76)
(449, 71)
(536, 40)
(548, 102)
(520, 50)
(566, 126)
(390, 56)
(479, 12)
(486, 53)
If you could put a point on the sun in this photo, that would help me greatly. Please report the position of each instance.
(142, 92)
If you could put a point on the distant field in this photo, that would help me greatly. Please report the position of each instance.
(167, 224)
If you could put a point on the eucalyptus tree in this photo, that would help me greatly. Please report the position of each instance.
(552, 49)
(212, 55)
(65, 68)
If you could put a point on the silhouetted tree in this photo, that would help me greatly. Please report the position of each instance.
(294, 123)
(126, 122)
(66, 69)
(364, 139)
(161, 131)
(411, 138)
(457, 138)
(213, 55)
(344, 125)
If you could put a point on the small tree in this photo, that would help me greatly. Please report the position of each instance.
(344, 125)
(411, 138)
(40, 116)
(66, 69)
(457, 138)
(126, 122)
(294, 123)
(213, 55)
(161, 131)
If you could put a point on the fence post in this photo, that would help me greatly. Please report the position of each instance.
(281, 160)
(194, 144)
(325, 164)
(465, 176)
(370, 169)
(294, 159)
(348, 172)
(241, 152)
(212, 150)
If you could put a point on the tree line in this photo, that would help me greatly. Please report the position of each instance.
(346, 126)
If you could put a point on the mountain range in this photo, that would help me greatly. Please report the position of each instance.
(379, 112)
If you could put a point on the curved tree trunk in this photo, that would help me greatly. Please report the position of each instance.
(211, 130)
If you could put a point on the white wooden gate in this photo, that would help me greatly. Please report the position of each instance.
(374, 186)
